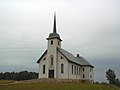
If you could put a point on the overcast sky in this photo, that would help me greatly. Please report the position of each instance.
(88, 27)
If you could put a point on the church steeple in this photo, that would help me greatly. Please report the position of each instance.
(54, 25)
(54, 34)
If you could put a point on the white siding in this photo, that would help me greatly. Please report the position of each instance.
(65, 62)
(41, 63)
(74, 76)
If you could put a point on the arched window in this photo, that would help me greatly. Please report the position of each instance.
(51, 60)
(62, 57)
(43, 69)
(44, 59)
(83, 75)
(83, 69)
(62, 68)
(51, 42)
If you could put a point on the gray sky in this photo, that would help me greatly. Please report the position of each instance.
(88, 27)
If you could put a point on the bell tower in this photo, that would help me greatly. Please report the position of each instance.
(54, 41)
(54, 37)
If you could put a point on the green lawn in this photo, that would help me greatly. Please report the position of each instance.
(6, 81)
(56, 86)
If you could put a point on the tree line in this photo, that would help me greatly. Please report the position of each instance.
(22, 75)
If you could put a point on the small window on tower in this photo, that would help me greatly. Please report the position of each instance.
(51, 60)
(83, 69)
(52, 42)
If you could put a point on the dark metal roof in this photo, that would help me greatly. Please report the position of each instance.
(72, 58)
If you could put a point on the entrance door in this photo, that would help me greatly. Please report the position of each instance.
(51, 73)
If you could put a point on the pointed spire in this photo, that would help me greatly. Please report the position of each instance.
(54, 34)
(54, 26)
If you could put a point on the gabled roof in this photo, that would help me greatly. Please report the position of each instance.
(70, 57)
(78, 60)
(42, 56)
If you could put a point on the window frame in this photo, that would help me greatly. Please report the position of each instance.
(51, 60)
(44, 59)
(51, 42)
(83, 75)
(43, 69)
(72, 69)
(83, 69)
(61, 57)
(62, 68)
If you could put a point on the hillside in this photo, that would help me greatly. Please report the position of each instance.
(54, 86)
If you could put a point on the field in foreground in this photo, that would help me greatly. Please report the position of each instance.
(55, 86)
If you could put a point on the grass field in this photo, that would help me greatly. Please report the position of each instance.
(6, 81)
(55, 86)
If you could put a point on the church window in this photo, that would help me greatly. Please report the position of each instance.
(72, 69)
(61, 57)
(52, 42)
(79, 71)
(62, 68)
(44, 59)
(51, 60)
(43, 69)
(83, 69)
(83, 75)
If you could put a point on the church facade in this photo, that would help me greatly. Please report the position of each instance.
(61, 64)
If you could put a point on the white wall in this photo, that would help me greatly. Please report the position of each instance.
(41, 63)
(65, 62)
(74, 76)
(88, 73)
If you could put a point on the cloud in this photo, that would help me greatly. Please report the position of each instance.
(91, 27)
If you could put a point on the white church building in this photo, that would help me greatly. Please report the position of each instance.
(60, 64)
